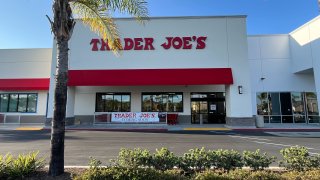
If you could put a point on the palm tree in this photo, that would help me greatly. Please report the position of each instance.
(93, 13)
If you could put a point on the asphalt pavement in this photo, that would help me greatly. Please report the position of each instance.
(80, 145)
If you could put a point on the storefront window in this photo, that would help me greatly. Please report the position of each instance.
(167, 104)
(18, 102)
(275, 119)
(4, 102)
(288, 107)
(113, 102)
(274, 103)
(177, 103)
(262, 104)
(13, 103)
(197, 95)
(125, 103)
(312, 107)
(312, 104)
(22, 105)
(298, 107)
(32, 103)
(117, 103)
(162, 102)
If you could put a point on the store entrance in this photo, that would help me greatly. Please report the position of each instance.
(208, 108)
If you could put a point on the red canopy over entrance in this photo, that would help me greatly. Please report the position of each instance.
(24, 84)
(145, 77)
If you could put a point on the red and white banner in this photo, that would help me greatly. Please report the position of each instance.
(135, 117)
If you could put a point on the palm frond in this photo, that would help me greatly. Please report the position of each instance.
(135, 8)
(93, 14)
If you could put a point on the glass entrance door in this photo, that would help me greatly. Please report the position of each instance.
(208, 108)
(286, 107)
(199, 111)
(217, 114)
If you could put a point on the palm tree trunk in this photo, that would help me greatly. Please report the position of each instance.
(56, 166)
(62, 29)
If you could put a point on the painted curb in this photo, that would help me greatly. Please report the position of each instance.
(28, 128)
(113, 129)
(245, 168)
(192, 129)
(206, 129)
(279, 130)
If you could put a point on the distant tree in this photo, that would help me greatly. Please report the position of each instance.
(95, 14)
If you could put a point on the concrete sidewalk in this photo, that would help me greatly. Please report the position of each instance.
(275, 127)
(165, 127)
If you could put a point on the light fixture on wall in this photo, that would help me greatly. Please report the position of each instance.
(240, 89)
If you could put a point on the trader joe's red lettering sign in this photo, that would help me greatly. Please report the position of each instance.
(189, 42)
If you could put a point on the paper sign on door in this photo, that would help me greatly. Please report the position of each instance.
(213, 107)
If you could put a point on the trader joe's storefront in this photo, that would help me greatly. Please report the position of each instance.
(160, 70)
(161, 107)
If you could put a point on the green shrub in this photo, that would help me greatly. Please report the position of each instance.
(253, 175)
(228, 159)
(172, 175)
(296, 158)
(292, 175)
(265, 175)
(195, 160)
(315, 161)
(256, 160)
(302, 175)
(126, 173)
(20, 167)
(239, 174)
(163, 159)
(212, 175)
(133, 158)
(24, 165)
(5, 161)
(94, 171)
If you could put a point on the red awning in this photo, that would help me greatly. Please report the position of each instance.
(24, 84)
(146, 77)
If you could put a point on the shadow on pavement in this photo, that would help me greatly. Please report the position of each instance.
(25, 136)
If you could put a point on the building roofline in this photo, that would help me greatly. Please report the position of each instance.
(15, 49)
(305, 24)
(181, 17)
(265, 35)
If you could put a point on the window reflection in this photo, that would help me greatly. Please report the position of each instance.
(4, 102)
(13, 103)
(162, 102)
(298, 107)
(18, 102)
(312, 103)
(23, 98)
(274, 103)
(288, 107)
(32, 103)
(262, 104)
(113, 102)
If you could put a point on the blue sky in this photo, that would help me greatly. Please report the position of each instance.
(24, 25)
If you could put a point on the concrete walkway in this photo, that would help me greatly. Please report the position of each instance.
(165, 127)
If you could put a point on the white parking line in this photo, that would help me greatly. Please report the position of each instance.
(262, 141)
(296, 134)
(252, 138)
(284, 145)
